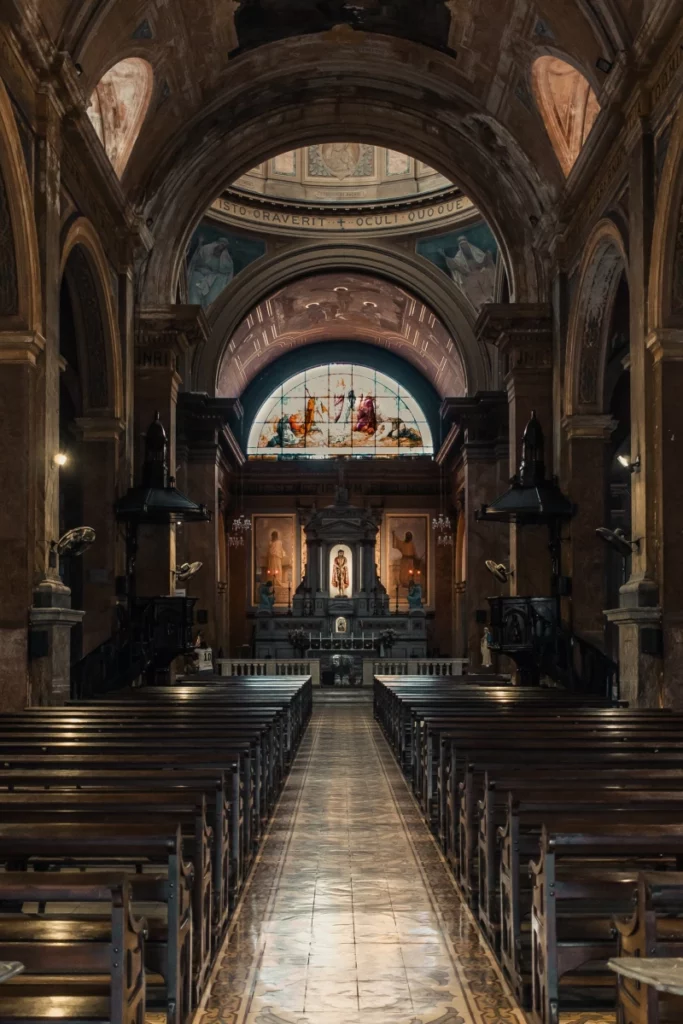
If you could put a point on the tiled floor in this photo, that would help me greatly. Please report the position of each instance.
(350, 916)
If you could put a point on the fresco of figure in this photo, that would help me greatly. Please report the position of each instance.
(408, 562)
(211, 269)
(473, 270)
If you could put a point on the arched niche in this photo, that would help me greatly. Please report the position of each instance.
(20, 289)
(666, 272)
(406, 270)
(86, 274)
(603, 264)
(118, 106)
(567, 104)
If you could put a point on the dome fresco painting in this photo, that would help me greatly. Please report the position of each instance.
(339, 410)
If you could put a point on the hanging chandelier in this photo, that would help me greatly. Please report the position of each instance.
(241, 528)
(441, 524)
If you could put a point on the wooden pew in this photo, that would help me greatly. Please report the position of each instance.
(654, 930)
(97, 975)
(587, 874)
(170, 811)
(520, 842)
(170, 884)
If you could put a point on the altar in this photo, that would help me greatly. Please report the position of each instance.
(341, 611)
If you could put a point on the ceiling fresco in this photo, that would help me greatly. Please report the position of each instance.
(342, 172)
(342, 307)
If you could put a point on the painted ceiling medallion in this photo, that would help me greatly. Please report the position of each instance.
(341, 158)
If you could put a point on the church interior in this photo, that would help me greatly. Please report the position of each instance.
(341, 594)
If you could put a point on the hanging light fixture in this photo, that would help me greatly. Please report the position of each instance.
(441, 524)
(241, 524)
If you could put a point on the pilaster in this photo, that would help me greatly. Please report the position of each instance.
(165, 337)
(523, 334)
(588, 450)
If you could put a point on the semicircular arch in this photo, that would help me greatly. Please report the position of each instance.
(84, 266)
(21, 274)
(387, 106)
(407, 270)
(604, 261)
(666, 270)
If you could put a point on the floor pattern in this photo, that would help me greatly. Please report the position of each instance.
(350, 915)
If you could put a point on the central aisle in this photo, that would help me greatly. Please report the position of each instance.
(351, 916)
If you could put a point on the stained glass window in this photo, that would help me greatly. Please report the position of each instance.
(336, 410)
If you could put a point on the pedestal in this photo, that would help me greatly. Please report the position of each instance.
(51, 621)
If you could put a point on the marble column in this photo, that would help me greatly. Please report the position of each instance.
(522, 334)
(666, 348)
(588, 455)
(51, 616)
(20, 382)
(164, 339)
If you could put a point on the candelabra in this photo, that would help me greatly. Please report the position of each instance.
(441, 525)
(241, 527)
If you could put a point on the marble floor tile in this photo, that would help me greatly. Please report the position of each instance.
(350, 915)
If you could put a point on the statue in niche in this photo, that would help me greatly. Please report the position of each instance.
(414, 595)
(340, 573)
(341, 625)
(266, 596)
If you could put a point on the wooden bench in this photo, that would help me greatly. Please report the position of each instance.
(88, 975)
(587, 874)
(655, 930)
(168, 881)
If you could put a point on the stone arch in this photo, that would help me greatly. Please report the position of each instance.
(300, 104)
(85, 269)
(405, 269)
(118, 106)
(604, 260)
(568, 105)
(666, 270)
(20, 288)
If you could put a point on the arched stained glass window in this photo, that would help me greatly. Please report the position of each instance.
(339, 409)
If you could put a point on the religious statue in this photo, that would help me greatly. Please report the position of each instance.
(266, 596)
(414, 595)
(340, 573)
(486, 659)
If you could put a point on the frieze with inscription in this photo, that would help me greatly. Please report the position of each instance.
(362, 221)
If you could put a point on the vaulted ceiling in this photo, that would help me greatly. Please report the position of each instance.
(237, 81)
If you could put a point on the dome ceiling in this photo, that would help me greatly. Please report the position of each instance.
(342, 173)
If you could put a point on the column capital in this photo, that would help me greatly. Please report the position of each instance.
(589, 427)
(100, 428)
(522, 332)
(666, 344)
(20, 347)
(165, 334)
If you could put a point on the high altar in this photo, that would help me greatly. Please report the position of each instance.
(341, 612)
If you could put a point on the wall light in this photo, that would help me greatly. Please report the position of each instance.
(61, 459)
(624, 461)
